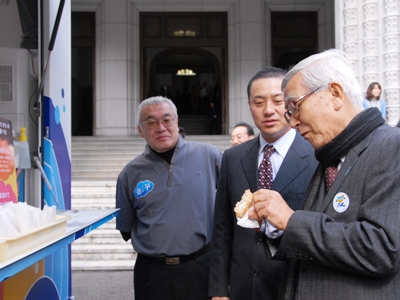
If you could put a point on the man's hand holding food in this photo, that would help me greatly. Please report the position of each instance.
(270, 205)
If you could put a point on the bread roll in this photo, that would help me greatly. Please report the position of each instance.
(244, 204)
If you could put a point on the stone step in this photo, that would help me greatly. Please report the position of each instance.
(88, 196)
(78, 206)
(123, 154)
(101, 145)
(112, 144)
(104, 183)
(86, 176)
(110, 225)
(102, 237)
(93, 190)
(81, 178)
(92, 200)
(97, 168)
(96, 265)
(138, 139)
(106, 152)
(102, 252)
(77, 161)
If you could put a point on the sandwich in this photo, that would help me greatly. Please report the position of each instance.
(244, 204)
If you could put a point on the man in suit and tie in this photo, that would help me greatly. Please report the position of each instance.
(345, 241)
(241, 265)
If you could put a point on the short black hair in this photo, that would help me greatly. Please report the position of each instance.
(268, 72)
(250, 130)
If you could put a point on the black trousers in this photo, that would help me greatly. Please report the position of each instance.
(157, 281)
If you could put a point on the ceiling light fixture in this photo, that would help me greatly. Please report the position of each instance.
(187, 33)
(185, 72)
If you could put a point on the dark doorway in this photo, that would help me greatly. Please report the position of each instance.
(183, 57)
(82, 65)
(294, 37)
(190, 77)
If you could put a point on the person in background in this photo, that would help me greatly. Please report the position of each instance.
(241, 265)
(166, 199)
(205, 97)
(344, 243)
(241, 133)
(194, 98)
(182, 132)
(373, 98)
(213, 119)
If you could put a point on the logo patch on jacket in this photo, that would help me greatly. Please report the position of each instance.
(340, 202)
(143, 188)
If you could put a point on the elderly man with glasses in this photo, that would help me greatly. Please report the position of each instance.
(345, 241)
(166, 198)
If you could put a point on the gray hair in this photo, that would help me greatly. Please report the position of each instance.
(323, 68)
(154, 101)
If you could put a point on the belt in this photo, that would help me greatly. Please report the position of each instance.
(176, 260)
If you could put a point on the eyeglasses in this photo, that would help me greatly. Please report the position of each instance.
(293, 109)
(238, 136)
(152, 123)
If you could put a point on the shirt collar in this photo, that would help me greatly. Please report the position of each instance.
(281, 145)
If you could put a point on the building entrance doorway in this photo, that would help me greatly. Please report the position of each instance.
(184, 59)
(294, 36)
(82, 72)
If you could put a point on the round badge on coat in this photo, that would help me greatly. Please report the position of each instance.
(341, 202)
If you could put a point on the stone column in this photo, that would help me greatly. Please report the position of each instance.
(247, 55)
(112, 68)
(370, 44)
(349, 32)
(368, 31)
(133, 76)
(391, 60)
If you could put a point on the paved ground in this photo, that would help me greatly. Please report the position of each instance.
(102, 285)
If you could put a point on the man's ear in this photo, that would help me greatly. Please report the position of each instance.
(140, 131)
(337, 93)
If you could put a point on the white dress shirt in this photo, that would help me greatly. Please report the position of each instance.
(281, 146)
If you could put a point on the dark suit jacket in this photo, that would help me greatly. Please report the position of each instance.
(353, 254)
(240, 259)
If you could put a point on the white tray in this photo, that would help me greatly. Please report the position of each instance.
(13, 246)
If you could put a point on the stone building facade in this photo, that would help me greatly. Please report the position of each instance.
(367, 30)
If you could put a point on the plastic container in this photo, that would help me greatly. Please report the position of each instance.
(21, 151)
(11, 247)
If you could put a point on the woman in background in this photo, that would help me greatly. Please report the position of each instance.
(372, 98)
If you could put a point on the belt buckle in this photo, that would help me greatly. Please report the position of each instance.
(172, 260)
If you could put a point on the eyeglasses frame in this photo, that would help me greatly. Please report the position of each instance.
(158, 121)
(288, 114)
